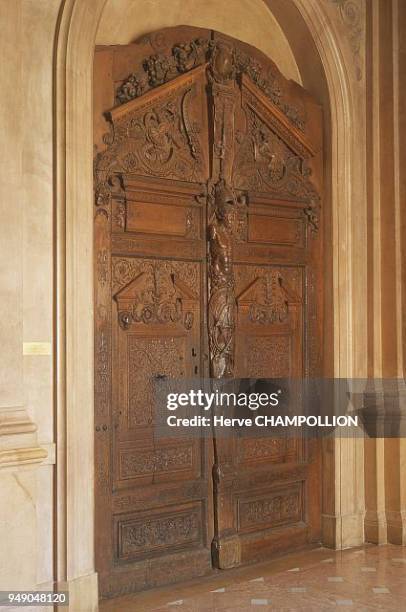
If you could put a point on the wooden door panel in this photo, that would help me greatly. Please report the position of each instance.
(154, 496)
(161, 216)
(269, 330)
(159, 531)
(208, 182)
(267, 489)
(262, 452)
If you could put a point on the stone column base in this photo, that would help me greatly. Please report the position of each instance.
(396, 527)
(83, 593)
(345, 531)
(375, 527)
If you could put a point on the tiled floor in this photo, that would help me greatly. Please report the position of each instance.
(370, 578)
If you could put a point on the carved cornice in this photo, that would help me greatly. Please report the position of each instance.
(352, 18)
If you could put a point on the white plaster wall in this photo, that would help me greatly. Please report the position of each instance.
(27, 30)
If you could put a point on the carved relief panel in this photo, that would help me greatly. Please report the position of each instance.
(269, 330)
(157, 332)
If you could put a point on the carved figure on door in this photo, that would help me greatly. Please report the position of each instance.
(222, 296)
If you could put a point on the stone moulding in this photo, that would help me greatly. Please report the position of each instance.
(351, 16)
(22, 456)
(18, 439)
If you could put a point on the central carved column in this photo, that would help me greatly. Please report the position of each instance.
(222, 215)
(221, 209)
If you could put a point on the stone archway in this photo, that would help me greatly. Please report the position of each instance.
(343, 509)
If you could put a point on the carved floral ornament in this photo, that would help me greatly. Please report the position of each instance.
(267, 300)
(161, 68)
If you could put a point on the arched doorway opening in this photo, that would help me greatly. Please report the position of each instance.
(342, 506)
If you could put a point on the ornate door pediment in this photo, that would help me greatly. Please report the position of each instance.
(271, 156)
(156, 135)
(156, 298)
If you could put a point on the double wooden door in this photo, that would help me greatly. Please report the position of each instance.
(207, 247)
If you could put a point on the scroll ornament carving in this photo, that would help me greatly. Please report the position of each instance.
(273, 450)
(102, 367)
(280, 508)
(134, 464)
(102, 266)
(154, 299)
(161, 141)
(106, 185)
(160, 68)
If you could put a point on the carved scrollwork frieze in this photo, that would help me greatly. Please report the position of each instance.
(159, 532)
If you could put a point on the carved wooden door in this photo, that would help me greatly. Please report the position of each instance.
(207, 263)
